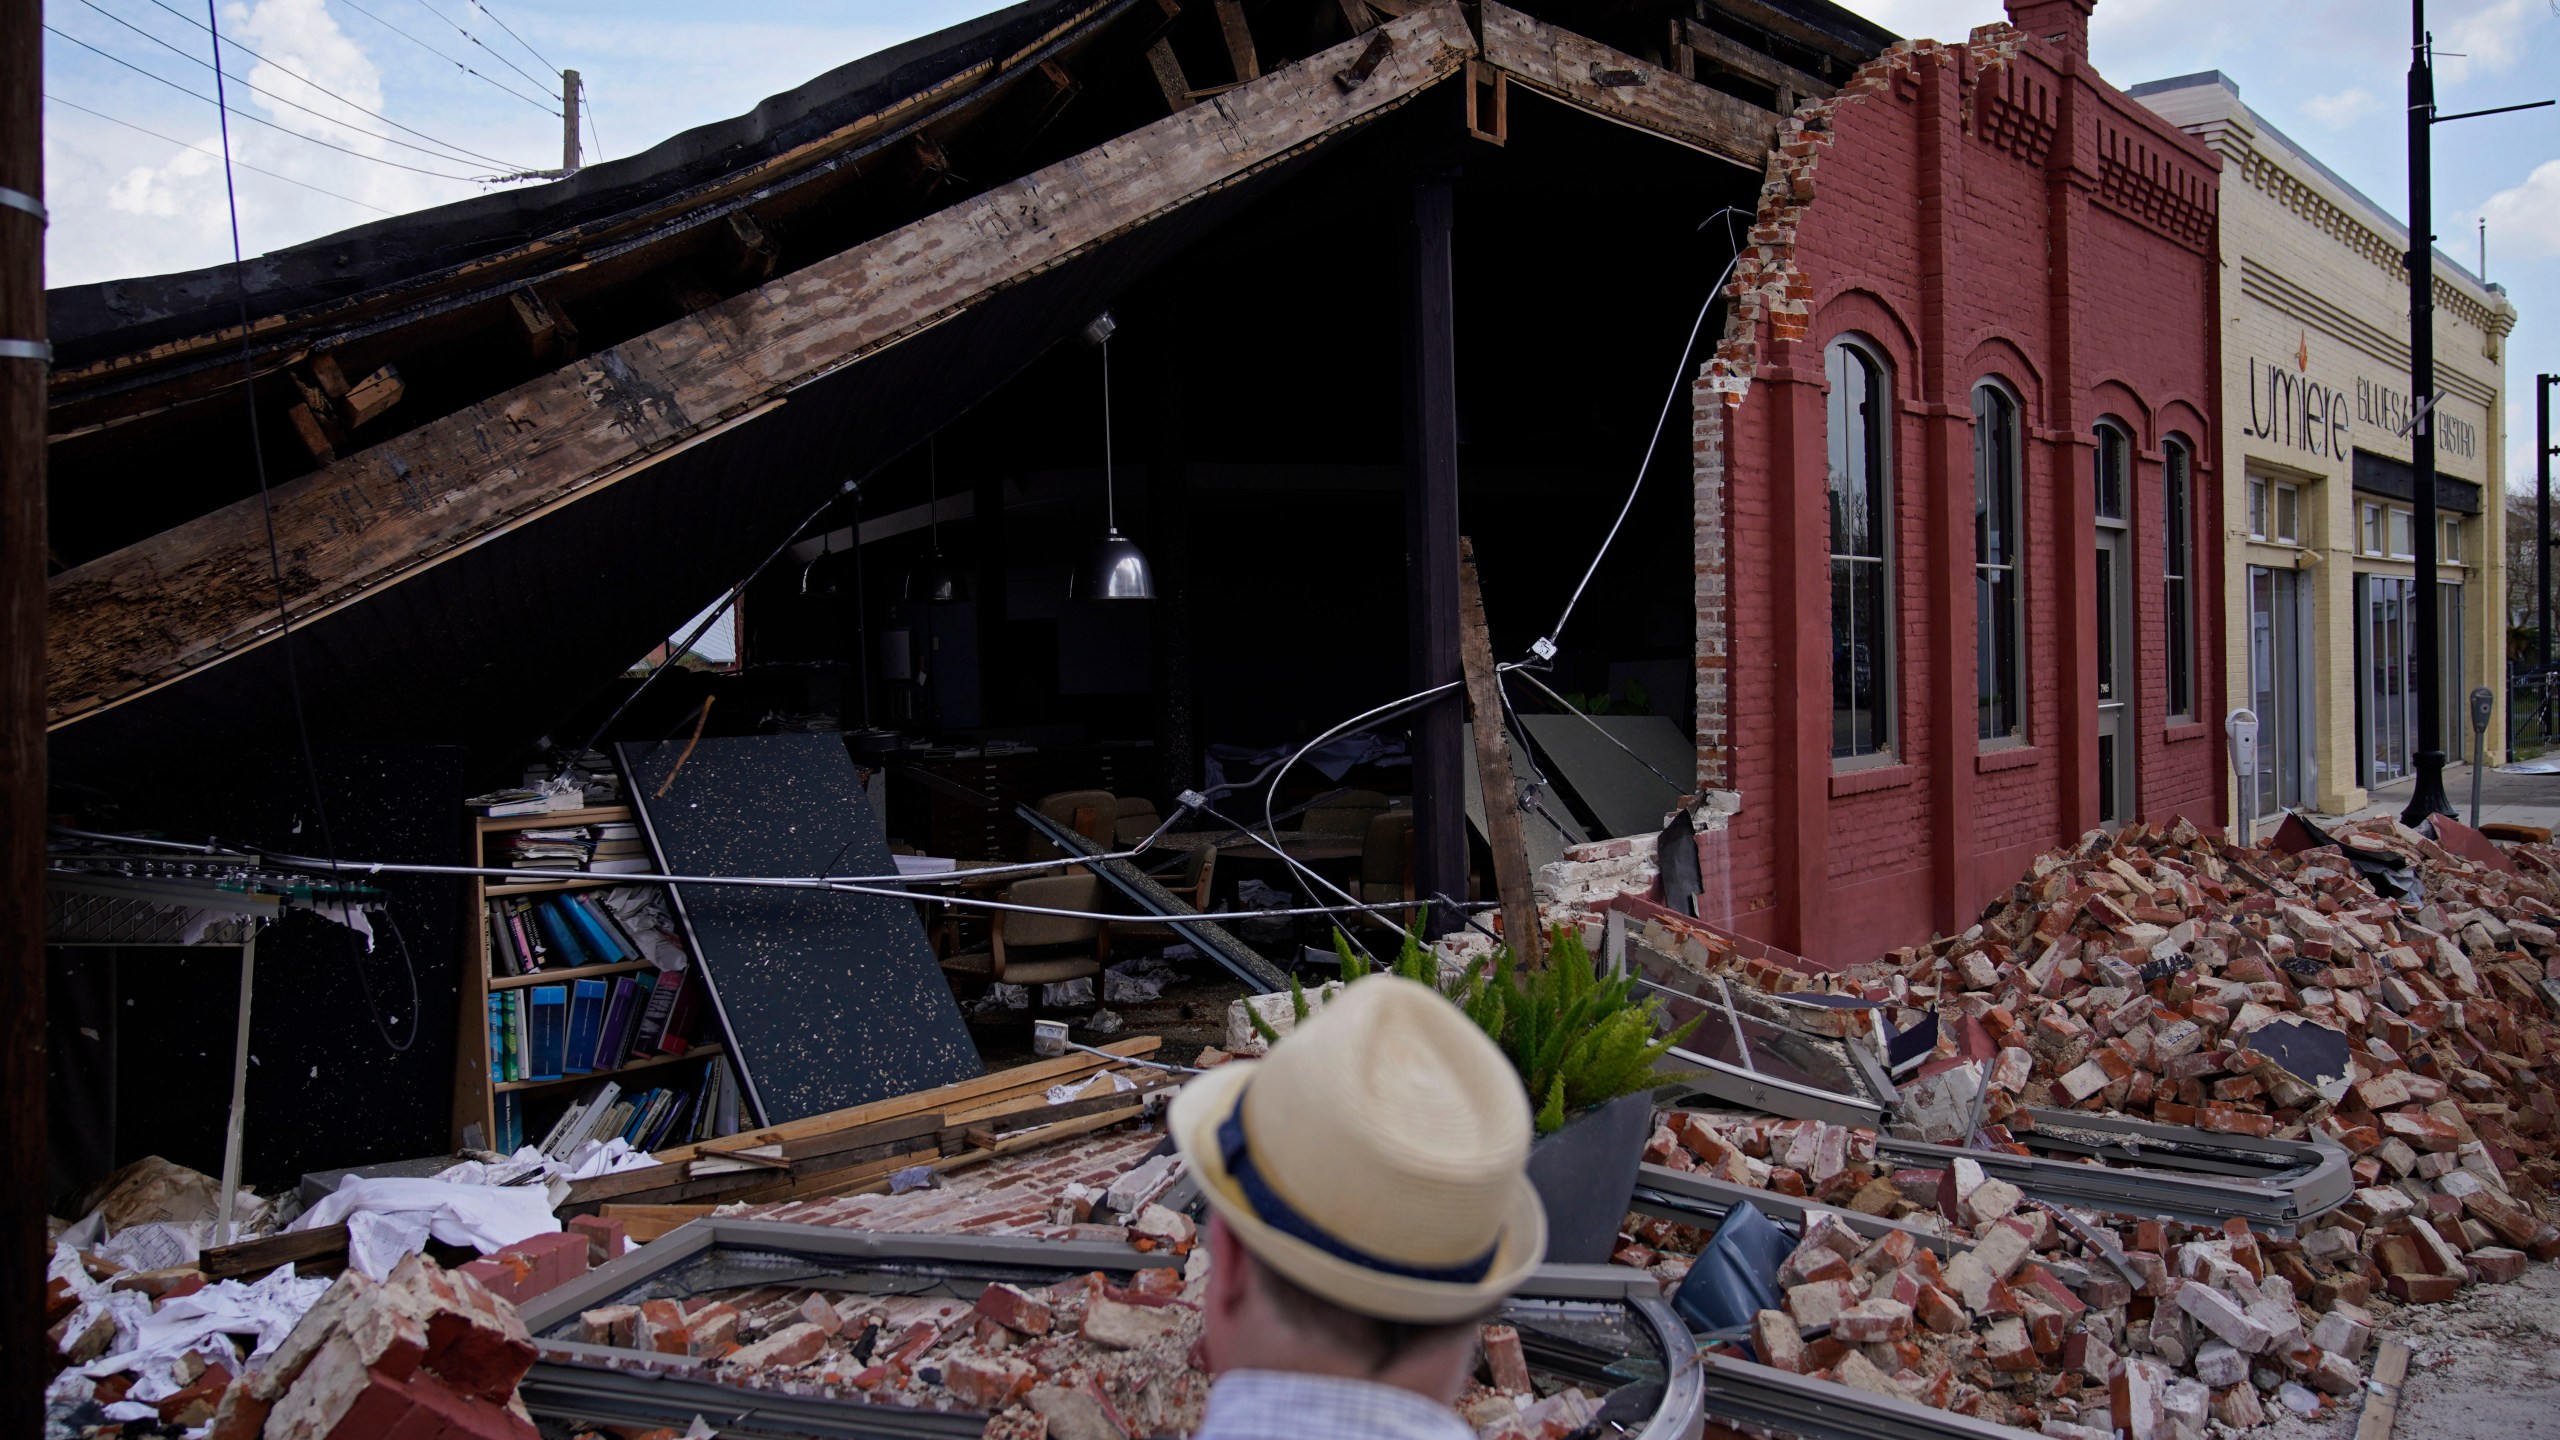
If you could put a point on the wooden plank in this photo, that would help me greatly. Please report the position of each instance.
(1617, 86)
(1239, 37)
(1025, 1116)
(944, 1098)
(2382, 1393)
(256, 1257)
(1503, 832)
(645, 1223)
(1167, 68)
(1026, 1140)
(1732, 55)
(1813, 37)
(198, 594)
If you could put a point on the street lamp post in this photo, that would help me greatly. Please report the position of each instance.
(2427, 795)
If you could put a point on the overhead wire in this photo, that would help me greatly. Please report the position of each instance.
(229, 109)
(465, 68)
(449, 153)
(512, 35)
(283, 69)
(275, 553)
(593, 133)
(183, 145)
(476, 40)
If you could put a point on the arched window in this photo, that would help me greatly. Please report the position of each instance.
(1858, 425)
(2177, 521)
(2111, 474)
(1999, 664)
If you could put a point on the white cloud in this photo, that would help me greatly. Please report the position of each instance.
(2486, 38)
(2342, 109)
(2526, 217)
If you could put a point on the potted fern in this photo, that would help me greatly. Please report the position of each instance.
(1585, 1048)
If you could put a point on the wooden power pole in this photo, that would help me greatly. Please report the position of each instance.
(1504, 832)
(24, 362)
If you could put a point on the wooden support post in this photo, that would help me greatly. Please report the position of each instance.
(753, 250)
(548, 334)
(1503, 831)
(1239, 38)
(1431, 551)
(23, 1350)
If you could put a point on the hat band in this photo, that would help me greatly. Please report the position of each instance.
(1268, 1206)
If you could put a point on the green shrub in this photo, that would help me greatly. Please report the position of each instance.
(1576, 1038)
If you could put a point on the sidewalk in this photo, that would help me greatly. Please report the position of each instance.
(2504, 796)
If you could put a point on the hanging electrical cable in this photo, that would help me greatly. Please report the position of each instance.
(275, 555)
(215, 154)
(512, 35)
(1545, 648)
(446, 154)
(484, 48)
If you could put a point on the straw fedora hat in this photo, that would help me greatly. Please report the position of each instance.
(1375, 1158)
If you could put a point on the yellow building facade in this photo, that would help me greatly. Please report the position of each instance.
(2315, 436)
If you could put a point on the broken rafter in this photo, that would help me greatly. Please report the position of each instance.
(199, 594)
(1617, 86)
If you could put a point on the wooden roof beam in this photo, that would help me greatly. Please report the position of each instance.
(1617, 86)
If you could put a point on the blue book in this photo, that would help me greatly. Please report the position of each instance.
(586, 1022)
(510, 1125)
(607, 938)
(497, 1039)
(558, 937)
(546, 1032)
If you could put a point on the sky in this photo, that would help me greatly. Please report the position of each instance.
(426, 98)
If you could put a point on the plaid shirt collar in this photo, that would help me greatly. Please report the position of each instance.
(1284, 1405)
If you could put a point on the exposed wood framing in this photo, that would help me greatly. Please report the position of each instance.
(1239, 38)
(1789, 27)
(1169, 77)
(752, 249)
(200, 593)
(1579, 72)
(1488, 103)
(548, 335)
(1735, 58)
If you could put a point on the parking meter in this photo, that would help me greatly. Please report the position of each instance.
(2242, 727)
(2483, 699)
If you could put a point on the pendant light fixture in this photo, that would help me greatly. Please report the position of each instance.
(1115, 569)
(935, 579)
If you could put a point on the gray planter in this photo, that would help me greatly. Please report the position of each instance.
(1586, 1174)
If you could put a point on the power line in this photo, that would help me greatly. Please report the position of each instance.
(512, 35)
(597, 136)
(449, 60)
(296, 104)
(243, 164)
(332, 94)
(474, 39)
(245, 115)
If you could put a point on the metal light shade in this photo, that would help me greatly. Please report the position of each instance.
(830, 574)
(1114, 569)
(935, 579)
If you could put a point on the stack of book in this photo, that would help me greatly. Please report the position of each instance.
(550, 1032)
(532, 933)
(617, 849)
(567, 848)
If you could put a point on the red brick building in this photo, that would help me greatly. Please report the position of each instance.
(1955, 465)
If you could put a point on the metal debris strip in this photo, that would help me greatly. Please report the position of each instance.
(1207, 937)
(2147, 1170)
(1594, 1324)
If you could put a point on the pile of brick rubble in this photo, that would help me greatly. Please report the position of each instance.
(2128, 974)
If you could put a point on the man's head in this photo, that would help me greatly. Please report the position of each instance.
(1367, 1194)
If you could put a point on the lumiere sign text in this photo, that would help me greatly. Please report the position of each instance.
(2294, 410)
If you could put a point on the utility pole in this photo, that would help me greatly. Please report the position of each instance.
(568, 122)
(24, 362)
(2427, 796)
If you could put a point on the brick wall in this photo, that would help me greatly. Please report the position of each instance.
(1981, 210)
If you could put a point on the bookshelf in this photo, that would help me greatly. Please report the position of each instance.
(478, 1097)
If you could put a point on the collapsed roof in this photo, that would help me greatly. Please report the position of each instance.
(511, 442)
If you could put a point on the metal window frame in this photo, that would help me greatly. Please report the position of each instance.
(574, 1380)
